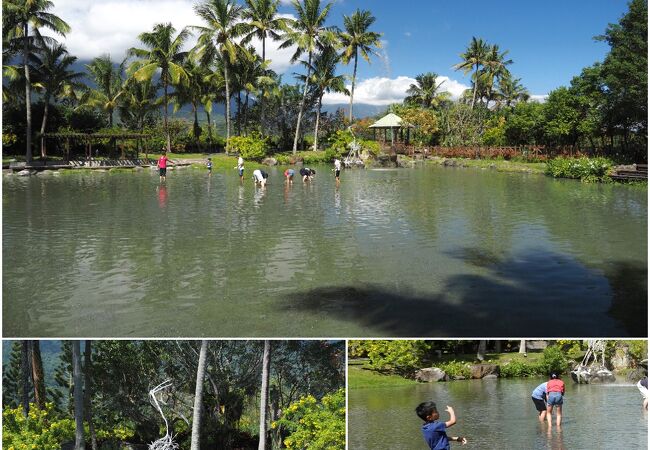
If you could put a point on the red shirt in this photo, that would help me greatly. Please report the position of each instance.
(555, 386)
(162, 162)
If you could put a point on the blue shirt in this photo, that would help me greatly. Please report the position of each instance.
(539, 391)
(435, 435)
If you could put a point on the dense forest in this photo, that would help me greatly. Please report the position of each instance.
(602, 112)
(175, 394)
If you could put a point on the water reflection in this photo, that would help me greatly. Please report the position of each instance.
(412, 252)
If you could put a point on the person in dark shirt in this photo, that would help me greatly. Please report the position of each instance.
(643, 388)
(434, 431)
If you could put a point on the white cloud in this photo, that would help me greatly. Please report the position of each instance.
(384, 91)
(539, 97)
(112, 26)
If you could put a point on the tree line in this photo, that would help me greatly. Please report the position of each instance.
(602, 112)
(223, 394)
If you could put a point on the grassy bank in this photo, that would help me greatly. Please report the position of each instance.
(492, 164)
(360, 376)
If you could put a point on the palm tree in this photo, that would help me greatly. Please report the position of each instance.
(512, 91)
(214, 85)
(109, 82)
(263, 22)
(191, 92)
(308, 33)
(357, 39)
(218, 38)
(56, 79)
(79, 443)
(138, 105)
(198, 397)
(495, 68)
(324, 79)
(473, 58)
(426, 91)
(34, 14)
(264, 392)
(163, 52)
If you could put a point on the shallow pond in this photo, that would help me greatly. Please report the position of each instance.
(423, 252)
(499, 414)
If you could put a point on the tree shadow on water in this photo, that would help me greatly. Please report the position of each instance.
(531, 294)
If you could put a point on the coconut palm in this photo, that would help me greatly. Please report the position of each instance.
(219, 39)
(511, 91)
(263, 22)
(138, 105)
(324, 79)
(21, 16)
(473, 58)
(426, 91)
(494, 68)
(164, 52)
(56, 78)
(109, 80)
(191, 92)
(357, 39)
(308, 34)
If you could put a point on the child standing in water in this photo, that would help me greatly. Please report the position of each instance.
(240, 168)
(208, 164)
(434, 431)
(554, 398)
(539, 399)
(337, 170)
(162, 166)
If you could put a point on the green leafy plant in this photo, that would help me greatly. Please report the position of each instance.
(313, 424)
(553, 360)
(456, 369)
(249, 147)
(585, 169)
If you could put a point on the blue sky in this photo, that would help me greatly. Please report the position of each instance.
(550, 42)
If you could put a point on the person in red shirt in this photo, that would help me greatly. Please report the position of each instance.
(554, 398)
(162, 166)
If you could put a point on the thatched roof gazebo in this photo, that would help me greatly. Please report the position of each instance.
(393, 122)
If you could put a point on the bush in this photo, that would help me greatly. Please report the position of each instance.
(400, 357)
(553, 360)
(456, 369)
(249, 147)
(518, 369)
(585, 169)
(371, 147)
(313, 424)
(339, 143)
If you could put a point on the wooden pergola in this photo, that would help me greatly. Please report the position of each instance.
(393, 122)
(89, 138)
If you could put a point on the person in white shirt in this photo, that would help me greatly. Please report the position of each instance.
(337, 170)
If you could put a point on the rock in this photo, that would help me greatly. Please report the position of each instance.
(490, 377)
(602, 376)
(403, 161)
(635, 375)
(45, 172)
(621, 358)
(138, 169)
(450, 163)
(481, 370)
(24, 173)
(430, 374)
(270, 162)
(492, 166)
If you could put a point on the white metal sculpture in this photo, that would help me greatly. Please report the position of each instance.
(353, 157)
(592, 368)
(166, 442)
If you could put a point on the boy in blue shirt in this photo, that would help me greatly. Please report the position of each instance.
(434, 431)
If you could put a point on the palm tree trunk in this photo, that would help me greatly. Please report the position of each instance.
(246, 113)
(263, 92)
(475, 86)
(266, 362)
(168, 137)
(198, 398)
(320, 100)
(302, 106)
(195, 126)
(79, 443)
(209, 128)
(28, 96)
(225, 74)
(43, 124)
(480, 353)
(354, 78)
(87, 394)
(522, 346)
(38, 379)
(24, 375)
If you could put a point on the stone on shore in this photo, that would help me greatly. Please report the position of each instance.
(430, 374)
(479, 371)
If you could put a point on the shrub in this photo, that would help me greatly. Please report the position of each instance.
(371, 147)
(313, 424)
(456, 369)
(249, 147)
(339, 142)
(585, 169)
(553, 360)
(400, 357)
(517, 368)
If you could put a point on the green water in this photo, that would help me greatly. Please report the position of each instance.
(499, 414)
(423, 252)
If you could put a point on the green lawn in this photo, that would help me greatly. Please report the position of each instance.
(360, 377)
(496, 164)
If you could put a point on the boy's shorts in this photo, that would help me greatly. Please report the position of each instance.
(163, 171)
(555, 398)
(337, 173)
(539, 404)
(241, 172)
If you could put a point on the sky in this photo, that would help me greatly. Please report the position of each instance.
(549, 41)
